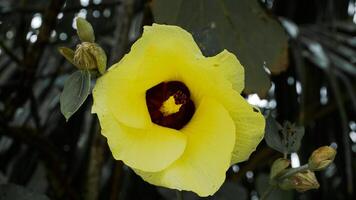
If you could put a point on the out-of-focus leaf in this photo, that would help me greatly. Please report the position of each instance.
(208, 42)
(291, 28)
(76, 90)
(85, 30)
(262, 183)
(241, 26)
(16, 192)
(343, 64)
(318, 55)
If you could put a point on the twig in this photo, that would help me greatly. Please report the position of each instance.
(9, 53)
(349, 87)
(290, 172)
(345, 135)
(34, 110)
(121, 32)
(116, 180)
(33, 56)
(267, 192)
(48, 152)
(96, 160)
(257, 159)
(179, 195)
(67, 9)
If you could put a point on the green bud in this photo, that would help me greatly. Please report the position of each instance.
(90, 56)
(278, 166)
(85, 30)
(301, 181)
(321, 158)
(100, 57)
(67, 53)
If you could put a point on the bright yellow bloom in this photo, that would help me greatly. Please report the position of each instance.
(174, 116)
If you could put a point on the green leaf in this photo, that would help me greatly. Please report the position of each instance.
(241, 26)
(85, 30)
(286, 139)
(76, 90)
(273, 136)
(67, 53)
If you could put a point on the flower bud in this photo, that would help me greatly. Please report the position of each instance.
(85, 30)
(67, 53)
(278, 166)
(321, 158)
(301, 181)
(90, 56)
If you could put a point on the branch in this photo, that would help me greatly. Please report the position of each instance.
(29, 10)
(32, 58)
(345, 133)
(9, 53)
(49, 153)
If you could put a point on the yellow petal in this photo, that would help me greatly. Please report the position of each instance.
(122, 99)
(151, 149)
(202, 167)
(250, 125)
(229, 65)
(156, 57)
(171, 40)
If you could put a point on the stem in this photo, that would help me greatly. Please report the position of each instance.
(267, 192)
(292, 171)
(287, 174)
(345, 137)
(285, 155)
(179, 195)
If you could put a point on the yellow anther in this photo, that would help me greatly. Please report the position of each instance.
(169, 106)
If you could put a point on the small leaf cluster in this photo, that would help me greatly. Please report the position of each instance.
(90, 59)
(301, 178)
(287, 139)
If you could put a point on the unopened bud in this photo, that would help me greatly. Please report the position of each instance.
(301, 181)
(321, 158)
(67, 53)
(85, 30)
(90, 56)
(278, 166)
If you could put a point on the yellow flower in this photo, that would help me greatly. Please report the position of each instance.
(174, 116)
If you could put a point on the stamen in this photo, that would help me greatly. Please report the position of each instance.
(169, 106)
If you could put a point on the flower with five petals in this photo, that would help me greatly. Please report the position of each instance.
(175, 116)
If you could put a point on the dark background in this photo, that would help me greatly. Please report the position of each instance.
(43, 156)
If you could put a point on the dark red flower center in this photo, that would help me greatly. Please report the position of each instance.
(169, 104)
